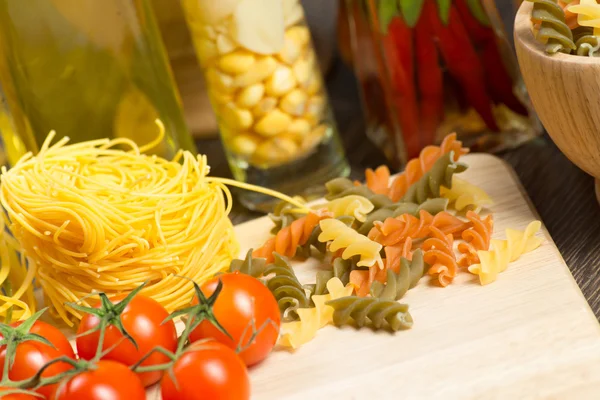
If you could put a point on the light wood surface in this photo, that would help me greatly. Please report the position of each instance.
(530, 335)
(565, 91)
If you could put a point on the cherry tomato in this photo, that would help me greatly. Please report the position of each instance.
(242, 299)
(143, 320)
(107, 380)
(17, 396)
(30, 355)
(207, 370)
(54, 336)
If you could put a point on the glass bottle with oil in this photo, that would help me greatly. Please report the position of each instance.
(87, 69)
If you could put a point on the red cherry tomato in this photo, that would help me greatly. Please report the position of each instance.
(31, 356)
(242, 299)
(207, 371)
(18, 396)
(143, 320)
(54, 336)
(107, 380)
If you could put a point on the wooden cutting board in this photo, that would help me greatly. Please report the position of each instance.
(529, 335)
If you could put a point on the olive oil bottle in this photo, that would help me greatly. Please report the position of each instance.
(87, 69)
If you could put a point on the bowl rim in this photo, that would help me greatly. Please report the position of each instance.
(523, 33)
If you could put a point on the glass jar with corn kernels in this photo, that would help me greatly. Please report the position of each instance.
(267, 91)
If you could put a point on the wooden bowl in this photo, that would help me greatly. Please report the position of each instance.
(565, 91)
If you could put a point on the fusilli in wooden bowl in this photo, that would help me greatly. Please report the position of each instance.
(565, 91)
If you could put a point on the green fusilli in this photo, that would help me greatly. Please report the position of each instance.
(428, 187)
(253, 266)
(553, 31)
(398, 284)
(363, 311)
(286, 288)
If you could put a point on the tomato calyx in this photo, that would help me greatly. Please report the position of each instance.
(12, 337)
(109, 314)
(196, 314)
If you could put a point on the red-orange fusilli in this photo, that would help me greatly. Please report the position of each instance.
(475, 238)
(438, 253)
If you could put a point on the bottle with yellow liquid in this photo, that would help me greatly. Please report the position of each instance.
(88, 69)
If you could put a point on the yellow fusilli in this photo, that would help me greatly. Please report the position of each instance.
(295, 334)
(503, 252)
(344, 237)
(466, 196)
(354, 205)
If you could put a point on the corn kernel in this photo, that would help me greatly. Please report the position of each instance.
(264, 106)
(219, 97)
(250, 96)
(315, 108)
(299, 127)
(236, 118)
(259, 71)
(244, 144)
(299, 34)
(281, 82)
(294, 102)
(237, 62)
(225, 44)
(303, 71)
(275, 151)
(273, 123)
(219, 81)
(291, 50)
(314, 138)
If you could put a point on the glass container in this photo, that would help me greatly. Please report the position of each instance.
(428, 68)
(267, 91)
(87, 69)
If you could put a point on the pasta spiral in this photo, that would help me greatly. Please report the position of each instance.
(362, 280)
(352, 205)
(475, 238)
(440, 255)
(342, 187)
(353, 243)
(417, 167)
(466, 196)
(553, 30)
(588, 45)
(253, 266)
(287, 240)
(286, 288)
(396, 230)
(503, 252)
(379, 314)
(401, 277)
(313, 243)
(428, 187)
(432, 206)
(284, 214)
(95, 218)
(310, 320)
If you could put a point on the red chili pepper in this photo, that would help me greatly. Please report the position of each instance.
(430, 80)
(461, 60)
(498, 81)
(398, 46)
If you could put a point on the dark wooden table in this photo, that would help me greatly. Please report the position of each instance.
(562, 194)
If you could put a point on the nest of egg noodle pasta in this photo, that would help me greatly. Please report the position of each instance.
(100, 216)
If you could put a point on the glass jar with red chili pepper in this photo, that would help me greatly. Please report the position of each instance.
(431, 67)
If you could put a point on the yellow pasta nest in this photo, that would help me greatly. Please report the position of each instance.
(102, 216)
